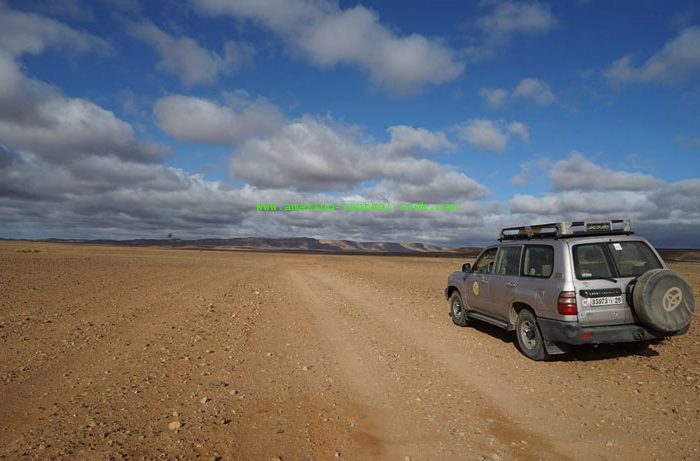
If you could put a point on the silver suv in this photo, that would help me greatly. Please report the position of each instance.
(572, 283)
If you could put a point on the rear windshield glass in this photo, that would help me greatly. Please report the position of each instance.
(613, 259)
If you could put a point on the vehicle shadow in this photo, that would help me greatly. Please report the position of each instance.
(492, 330)
(592, 352)
(584, 353)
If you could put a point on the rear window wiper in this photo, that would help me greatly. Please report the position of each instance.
(600, 277)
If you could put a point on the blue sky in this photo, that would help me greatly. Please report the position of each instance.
(122, 119)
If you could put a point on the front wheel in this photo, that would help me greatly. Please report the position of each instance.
(529, 337)
(459, 317)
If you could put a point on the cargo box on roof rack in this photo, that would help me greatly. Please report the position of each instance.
(566, 229)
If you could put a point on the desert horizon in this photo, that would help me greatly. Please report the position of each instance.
(313, 245)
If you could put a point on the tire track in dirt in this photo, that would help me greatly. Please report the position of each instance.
(513, 440)
(356, 327)
(378, 435)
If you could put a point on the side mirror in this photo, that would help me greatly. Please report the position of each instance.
(466, 267)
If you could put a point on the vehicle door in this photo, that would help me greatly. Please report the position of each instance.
(504, 280)
(477, 286)
(536, 285)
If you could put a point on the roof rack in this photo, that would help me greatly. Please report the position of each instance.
(566, 229)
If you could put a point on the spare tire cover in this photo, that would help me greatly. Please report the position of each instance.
(663, 300)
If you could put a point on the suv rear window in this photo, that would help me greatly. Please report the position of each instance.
(613, 259)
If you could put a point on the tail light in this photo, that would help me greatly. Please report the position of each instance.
(566, 304)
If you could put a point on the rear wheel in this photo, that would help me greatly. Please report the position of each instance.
(459, 317)
(529, 337)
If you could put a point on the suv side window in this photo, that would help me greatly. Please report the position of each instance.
(485, 263)
(508, 261)
(538, 261)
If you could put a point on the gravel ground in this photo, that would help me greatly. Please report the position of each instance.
(132, 353)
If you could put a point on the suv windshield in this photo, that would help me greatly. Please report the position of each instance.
(614, 259)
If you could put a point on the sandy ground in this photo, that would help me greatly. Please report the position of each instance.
(115, 353)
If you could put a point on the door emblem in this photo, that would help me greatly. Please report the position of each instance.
(672, 298)
(475, 288)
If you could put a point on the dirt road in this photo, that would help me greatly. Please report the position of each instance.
(182, 354)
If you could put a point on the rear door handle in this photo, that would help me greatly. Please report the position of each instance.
(511, 284)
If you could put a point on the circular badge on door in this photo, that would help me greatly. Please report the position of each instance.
(475, 288)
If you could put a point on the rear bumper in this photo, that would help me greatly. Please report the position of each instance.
(556, 331)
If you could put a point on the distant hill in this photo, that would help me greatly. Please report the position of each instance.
(680, 255)
(291, 244)
(304, 244)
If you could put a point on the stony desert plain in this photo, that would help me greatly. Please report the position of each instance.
(146, 353)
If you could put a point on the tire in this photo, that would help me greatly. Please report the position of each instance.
(663, 301)
(529, 336)
(459, 317)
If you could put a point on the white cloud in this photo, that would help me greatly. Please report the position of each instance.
(407, 140)
(583, 204)
(484, 134)
(436, 184)
(305, 154)
(36, 117)
(535, 90)
(669, 213)
(531, 89)
(184, 57)
(528, 168)
(519, 129)
(515, 17)
(317, 154)
(677, 60)
(521, 178)
(494, 97)
(189, 118)
(491, 135)
(31, 33)
(688, 142)
(679, 200)
(506, 20)
(579, 173)
(327, 35)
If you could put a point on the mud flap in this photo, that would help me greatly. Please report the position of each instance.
(553, 348)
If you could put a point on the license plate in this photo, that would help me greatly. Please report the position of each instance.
(606, 301)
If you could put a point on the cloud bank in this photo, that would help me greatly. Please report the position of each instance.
(326, 35)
